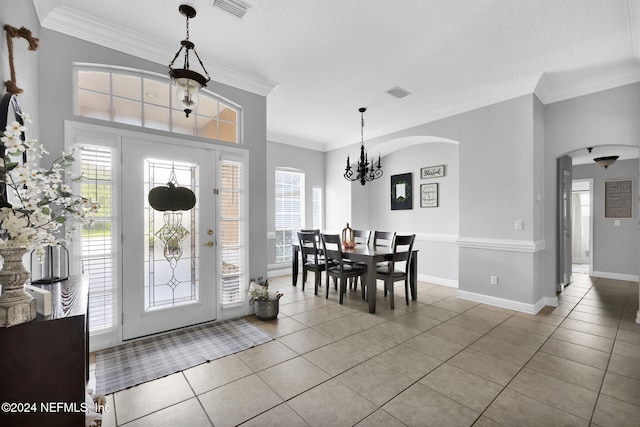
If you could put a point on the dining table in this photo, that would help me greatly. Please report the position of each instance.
(369, 255)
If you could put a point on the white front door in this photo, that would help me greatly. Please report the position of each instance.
(169, 277)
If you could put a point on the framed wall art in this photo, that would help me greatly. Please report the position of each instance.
(432, 172)
(617, 199)
(401, 190)
(429, 195)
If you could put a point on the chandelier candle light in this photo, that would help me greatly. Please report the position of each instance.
(365, 172)
(188, 82)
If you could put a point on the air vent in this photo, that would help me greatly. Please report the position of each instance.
(234, 7)
(398, 92)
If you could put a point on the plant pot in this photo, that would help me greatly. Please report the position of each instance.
(16, 305)
(267, 310)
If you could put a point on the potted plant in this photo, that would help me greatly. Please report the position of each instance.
(267, 302)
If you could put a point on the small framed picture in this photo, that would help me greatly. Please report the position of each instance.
(432, 172)
(429, 195)
(401, 190)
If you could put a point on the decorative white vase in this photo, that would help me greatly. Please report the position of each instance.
(16, 305)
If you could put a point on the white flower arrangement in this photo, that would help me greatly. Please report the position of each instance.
(37, 202)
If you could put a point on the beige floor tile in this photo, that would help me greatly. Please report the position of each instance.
(486, 422)
(615, 413)
(266, 355)
(455, 304)
(555, 311)
(438, 313)
(293, 308)
(305, 340)
(218, 372)
(485, 365)
(584, 339)
(408, 361)
(394, 331)
(317, 316)
(375, 381)
(474, 323)
(541, 317)
(567, 370)
(175, 415)
(293, 377)
(238, 401)
(504, 350)
(335, 358)
(624, 366)
(455, 333)
(109, 412)
(569, 397)
(539, 328)
(590, 328)
(577, 353)
(496, 315)
(594, 318)
(417, 320)
(380, 418)
(515, 409)
(368, 343)
(626, 349)
(631, 336)
(280, 416)
(421, 406)
(146, 398)
(332, 404)
(622, 388)
(464, 387)
(339, 328)
(518, 336)
(434, 346)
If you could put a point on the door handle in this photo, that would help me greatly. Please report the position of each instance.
(209, 243)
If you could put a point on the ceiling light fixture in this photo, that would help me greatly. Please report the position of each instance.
(364, 172)
(605, 161)
(188, 82)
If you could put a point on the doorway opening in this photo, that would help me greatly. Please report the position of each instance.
(582, 226)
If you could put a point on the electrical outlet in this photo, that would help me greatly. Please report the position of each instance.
(493, 280)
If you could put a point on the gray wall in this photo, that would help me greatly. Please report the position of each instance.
(312, 163)
(58, 52)
(22, 14)
(615, 248)
(606, 117)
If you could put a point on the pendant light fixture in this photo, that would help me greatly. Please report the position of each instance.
(365, 172)
(188, 82)
(605, 161)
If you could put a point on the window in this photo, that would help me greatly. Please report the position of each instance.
(289, 210)
(317, 208)
(96, 242)
(231, 194)
(148, 100)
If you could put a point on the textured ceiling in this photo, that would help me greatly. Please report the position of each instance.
(319, 60)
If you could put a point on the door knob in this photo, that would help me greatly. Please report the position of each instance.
(209, 243)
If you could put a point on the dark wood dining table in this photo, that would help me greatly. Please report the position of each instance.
(369, 255)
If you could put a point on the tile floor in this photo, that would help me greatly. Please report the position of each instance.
(439, 361)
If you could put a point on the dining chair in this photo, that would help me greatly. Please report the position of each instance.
(337, 268)
(362, 237)
(398, 268)
(311, 259)
(383, 238)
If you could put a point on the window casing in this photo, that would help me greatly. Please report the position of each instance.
(289, 215)
(148, 100)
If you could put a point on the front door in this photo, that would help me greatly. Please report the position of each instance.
(169, 277)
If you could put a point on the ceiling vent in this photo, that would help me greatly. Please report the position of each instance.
(398, 92)
(234, 7)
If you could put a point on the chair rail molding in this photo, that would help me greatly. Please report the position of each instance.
(510, 245)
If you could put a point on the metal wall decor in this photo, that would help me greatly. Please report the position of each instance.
(401, 192)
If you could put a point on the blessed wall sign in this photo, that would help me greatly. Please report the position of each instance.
(432, 172)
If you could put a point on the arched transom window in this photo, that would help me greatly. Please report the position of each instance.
(148, 100)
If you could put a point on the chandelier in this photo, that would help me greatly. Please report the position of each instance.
(365, 172)
(188, 82)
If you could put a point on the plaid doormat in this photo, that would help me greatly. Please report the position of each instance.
(137, 362)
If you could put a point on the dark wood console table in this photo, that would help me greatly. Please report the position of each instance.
(44, 364)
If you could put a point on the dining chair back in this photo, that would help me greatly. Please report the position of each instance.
(311, 258)
(383, 238)
(337, 268)
(362, 237)
(398, 268)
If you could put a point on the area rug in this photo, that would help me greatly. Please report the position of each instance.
(137, 362)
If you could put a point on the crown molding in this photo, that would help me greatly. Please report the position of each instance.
(89, 28)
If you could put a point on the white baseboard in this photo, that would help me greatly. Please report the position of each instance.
(615, 276)
(509, 304)
(438, 280)
(277, 270)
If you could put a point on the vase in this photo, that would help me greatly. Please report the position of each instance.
(267, 309)
(16, 305)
